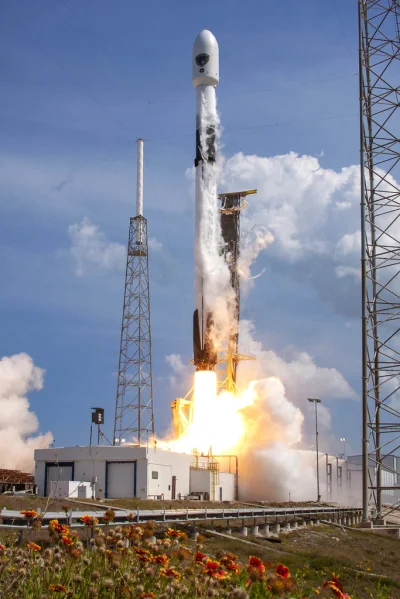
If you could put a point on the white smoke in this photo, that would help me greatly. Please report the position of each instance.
(19, 376)
(211, 270)
(257, 240)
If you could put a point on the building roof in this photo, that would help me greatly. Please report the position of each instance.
(15, 476)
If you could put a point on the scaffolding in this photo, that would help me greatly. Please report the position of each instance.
(232, 205)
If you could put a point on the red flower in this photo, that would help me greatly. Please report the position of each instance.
(147, 595)
(161, 559)
(57, 588)
(89, 521)
(336, 588)
(200, 557)
(140, 551)
(175, 534)
(67, 540)
(29, 514)
(212, 565)
(213, 569)
(282, 571)
(256, 562)
(2, 548)
(232, 566)
(170, 573)
(55, 526)
(33, 546)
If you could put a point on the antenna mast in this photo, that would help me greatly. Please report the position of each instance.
(134, 412)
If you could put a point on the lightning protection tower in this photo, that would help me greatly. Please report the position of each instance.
(379, 74)
(134, 413)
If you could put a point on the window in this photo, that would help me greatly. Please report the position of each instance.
(154, 474)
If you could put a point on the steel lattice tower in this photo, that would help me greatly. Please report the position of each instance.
(380, 239)
(134, 413)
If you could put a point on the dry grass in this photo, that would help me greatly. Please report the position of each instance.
(319, 551)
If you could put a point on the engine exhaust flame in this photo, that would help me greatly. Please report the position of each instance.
(217, 422)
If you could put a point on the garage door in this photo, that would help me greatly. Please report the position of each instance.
(121, 480)
(58, 472)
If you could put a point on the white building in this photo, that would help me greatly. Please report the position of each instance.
(132, 471)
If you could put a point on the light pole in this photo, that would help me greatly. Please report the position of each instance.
(343, 440)
(316, 401)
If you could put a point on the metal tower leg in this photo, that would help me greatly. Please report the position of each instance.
(379, 55)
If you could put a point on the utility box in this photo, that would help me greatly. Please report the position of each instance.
(70, 488)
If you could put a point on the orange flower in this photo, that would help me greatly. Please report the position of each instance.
(282, 571)
(2, 547)
(337, 588)
(170, 573)
(29, 514)
(213, 569)
(232, 567)
(219, 574)
(231, 556)
(67, 540)
(146, 595)
(33, 546)
(200, 557)
(175, 534)
(161, 559)
(140, 551)
(55, 526)
(57, 588)
(89, 520)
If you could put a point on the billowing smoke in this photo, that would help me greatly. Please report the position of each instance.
(272, 467)
(18, 424)
(256, 240)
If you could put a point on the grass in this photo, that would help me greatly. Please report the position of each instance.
(149, 561)
(19, 502)
(319, 551)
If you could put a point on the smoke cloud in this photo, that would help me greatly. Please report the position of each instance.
(18, 425)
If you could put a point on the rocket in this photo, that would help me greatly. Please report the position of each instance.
(205, 79)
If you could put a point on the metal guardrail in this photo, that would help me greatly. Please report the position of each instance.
(14, 518)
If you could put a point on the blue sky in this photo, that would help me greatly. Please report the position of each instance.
(81, 80)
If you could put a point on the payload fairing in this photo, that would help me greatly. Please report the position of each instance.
(205, 79)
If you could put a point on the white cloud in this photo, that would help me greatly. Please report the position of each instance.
(90, 247)
(155, 245)
(19, 376)
(349, 244)
(348, 271)
(176, 363)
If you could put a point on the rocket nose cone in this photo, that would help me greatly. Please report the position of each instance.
(205, 59)
(205, 42)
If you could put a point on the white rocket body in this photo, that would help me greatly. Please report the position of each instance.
(205, 79)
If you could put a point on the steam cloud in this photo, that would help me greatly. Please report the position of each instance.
(19, 376)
